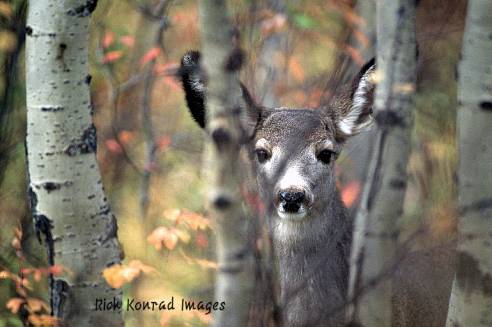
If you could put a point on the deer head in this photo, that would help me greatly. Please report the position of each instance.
(294, 150)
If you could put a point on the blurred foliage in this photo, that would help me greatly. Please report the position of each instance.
(175, 240)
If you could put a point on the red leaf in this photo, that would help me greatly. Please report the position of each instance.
(350, 192)
(108, 39)
(164, 142)
(127, 40)
(152, 54)
(113, 146)
(201, 240)
(112, 56)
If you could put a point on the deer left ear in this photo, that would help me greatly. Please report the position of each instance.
(358, 117)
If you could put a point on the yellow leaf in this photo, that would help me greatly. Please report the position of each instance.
(14, 304)
(6, 9)
(8, 41)
(42, 320)
(36, 305)
(204, 263)
(182, 235)
(118, 275)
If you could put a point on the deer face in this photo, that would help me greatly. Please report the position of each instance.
(294, 150)
(294, 154)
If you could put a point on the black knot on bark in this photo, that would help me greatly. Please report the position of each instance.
(32, 199)
(222, 202)
(398, 183)
(51, 186)
(88, 143)
(29, 30)
(221, 137)
(486, 105)
(234, 60)
(88, 79)
(83, 10)
(389, 118)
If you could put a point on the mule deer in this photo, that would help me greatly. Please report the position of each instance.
(294, 157)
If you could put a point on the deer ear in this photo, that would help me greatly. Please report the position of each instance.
(194, 84)
(358, 117)
(193, 79)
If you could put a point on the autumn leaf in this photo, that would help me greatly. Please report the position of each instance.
(36, 305)
(8, 41)
(126, 137)
(6, 9)
(108, 39)
(152, 54)
(164, 142)
(118, 275)
(167, 236)
(203, 263)
(201, 240)
(273, 24)
(127, 40)
(43, 320)
(14, 304)
(350, 192)
(296, 70)
(167, 68)
(112, 56)
(113, 146)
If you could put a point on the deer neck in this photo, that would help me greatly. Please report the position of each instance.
(313, 266)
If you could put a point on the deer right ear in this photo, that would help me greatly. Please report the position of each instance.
(358, 117)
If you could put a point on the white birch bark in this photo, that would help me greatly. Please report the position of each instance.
(235, 278)
(69, 207)
(471, 298)
(375, 230)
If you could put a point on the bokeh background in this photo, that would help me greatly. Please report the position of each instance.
(298, 52)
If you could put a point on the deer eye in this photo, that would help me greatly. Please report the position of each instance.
(262, 155)
(325, 156)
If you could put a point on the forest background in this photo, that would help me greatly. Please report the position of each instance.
(135, 48)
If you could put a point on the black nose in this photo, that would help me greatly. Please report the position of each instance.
(291, 201)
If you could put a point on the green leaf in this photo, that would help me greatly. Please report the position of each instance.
(304, 21)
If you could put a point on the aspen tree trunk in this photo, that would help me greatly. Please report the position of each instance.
(235, 278)
(375, 230)
(68, 204)
(471, 298)
(269, 71)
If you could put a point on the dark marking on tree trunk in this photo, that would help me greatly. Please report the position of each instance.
(88, 79)
(112, 230)
(43, 225)
(59, 294)
(470, 277)
(479, 205)
(51, 186)
(234, 60)
(486, 105)
(389, 118)
(32, 199)
(88, 143)
(354, 324)
(222, 202)
(229, 270)
(83, 10)
(28, 30)
(398, 183)
(52, 108)
(221, 137)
